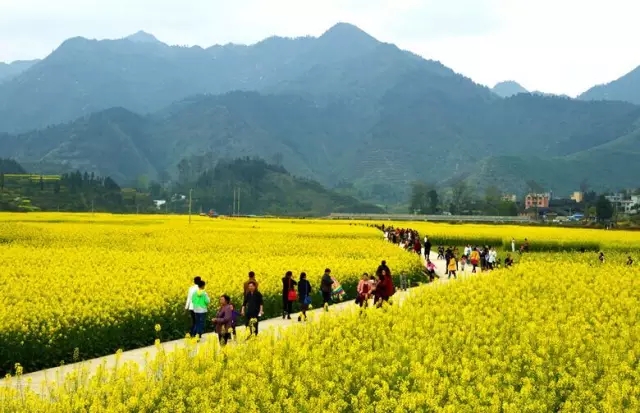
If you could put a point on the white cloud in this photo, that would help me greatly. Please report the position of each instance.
(561, 46)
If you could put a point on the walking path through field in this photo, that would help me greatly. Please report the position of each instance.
(39, 380)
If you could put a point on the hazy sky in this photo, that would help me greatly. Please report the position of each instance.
(559, 46)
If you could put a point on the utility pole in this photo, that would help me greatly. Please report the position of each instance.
(190, 190)
(233, 207)
(92, 207)
(238, 209)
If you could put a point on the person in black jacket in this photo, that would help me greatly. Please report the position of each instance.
(427, 247)
(383, 266)
(288, 284)
(447, 257)
(304, 295)
(325, 287)
(252, 307)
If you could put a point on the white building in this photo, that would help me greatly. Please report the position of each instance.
(626, 206)
(615, 198)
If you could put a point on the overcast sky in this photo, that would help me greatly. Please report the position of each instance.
(558, 46)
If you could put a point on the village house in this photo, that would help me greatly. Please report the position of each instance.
(537, 200)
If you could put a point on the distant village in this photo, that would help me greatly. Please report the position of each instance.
(580, 206)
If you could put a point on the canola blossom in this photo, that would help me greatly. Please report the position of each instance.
(526, 339)
(90, 285)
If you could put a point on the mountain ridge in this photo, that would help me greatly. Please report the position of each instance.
(625, 88)
(339, 107)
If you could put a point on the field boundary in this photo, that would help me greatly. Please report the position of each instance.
(435, 218)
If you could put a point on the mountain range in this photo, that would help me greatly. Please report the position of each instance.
(626, 88)
(340, 108)
(11, 70)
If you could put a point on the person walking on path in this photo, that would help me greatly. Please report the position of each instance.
(252, 277)
(384, 288)
(475, 259)
(452, 267)
(337, 292)
(200, 301)
(431, 270)
(427, 247)
(223, 320)
(492, 258)
(447, 257)
(325, 288)
(383, 267)
(364, 287)
(467, 251)
(288, 295)
(304, 296)
(252, 307)
(417, 247)
(189, 305)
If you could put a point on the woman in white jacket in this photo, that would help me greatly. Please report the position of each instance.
(189, 305)
(491, 259)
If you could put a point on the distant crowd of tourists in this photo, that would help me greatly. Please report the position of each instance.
(483, 257)
(378, 288)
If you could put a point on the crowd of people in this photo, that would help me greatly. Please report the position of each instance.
(294, 293)
(378, 287)
(483, 257)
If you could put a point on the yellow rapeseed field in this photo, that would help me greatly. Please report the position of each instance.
(94, 284)
(558, 332)
(543, 336)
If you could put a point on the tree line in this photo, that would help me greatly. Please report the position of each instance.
(461, 199)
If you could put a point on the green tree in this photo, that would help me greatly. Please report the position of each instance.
(461, 197)
(493, 200)
(604, 209)
(143, 182)
(507, 209)
(424, 198)
(1, 181)
(432, 195)
(419, 201)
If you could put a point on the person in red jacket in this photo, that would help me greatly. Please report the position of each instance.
(384, 288)
(417, 247)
